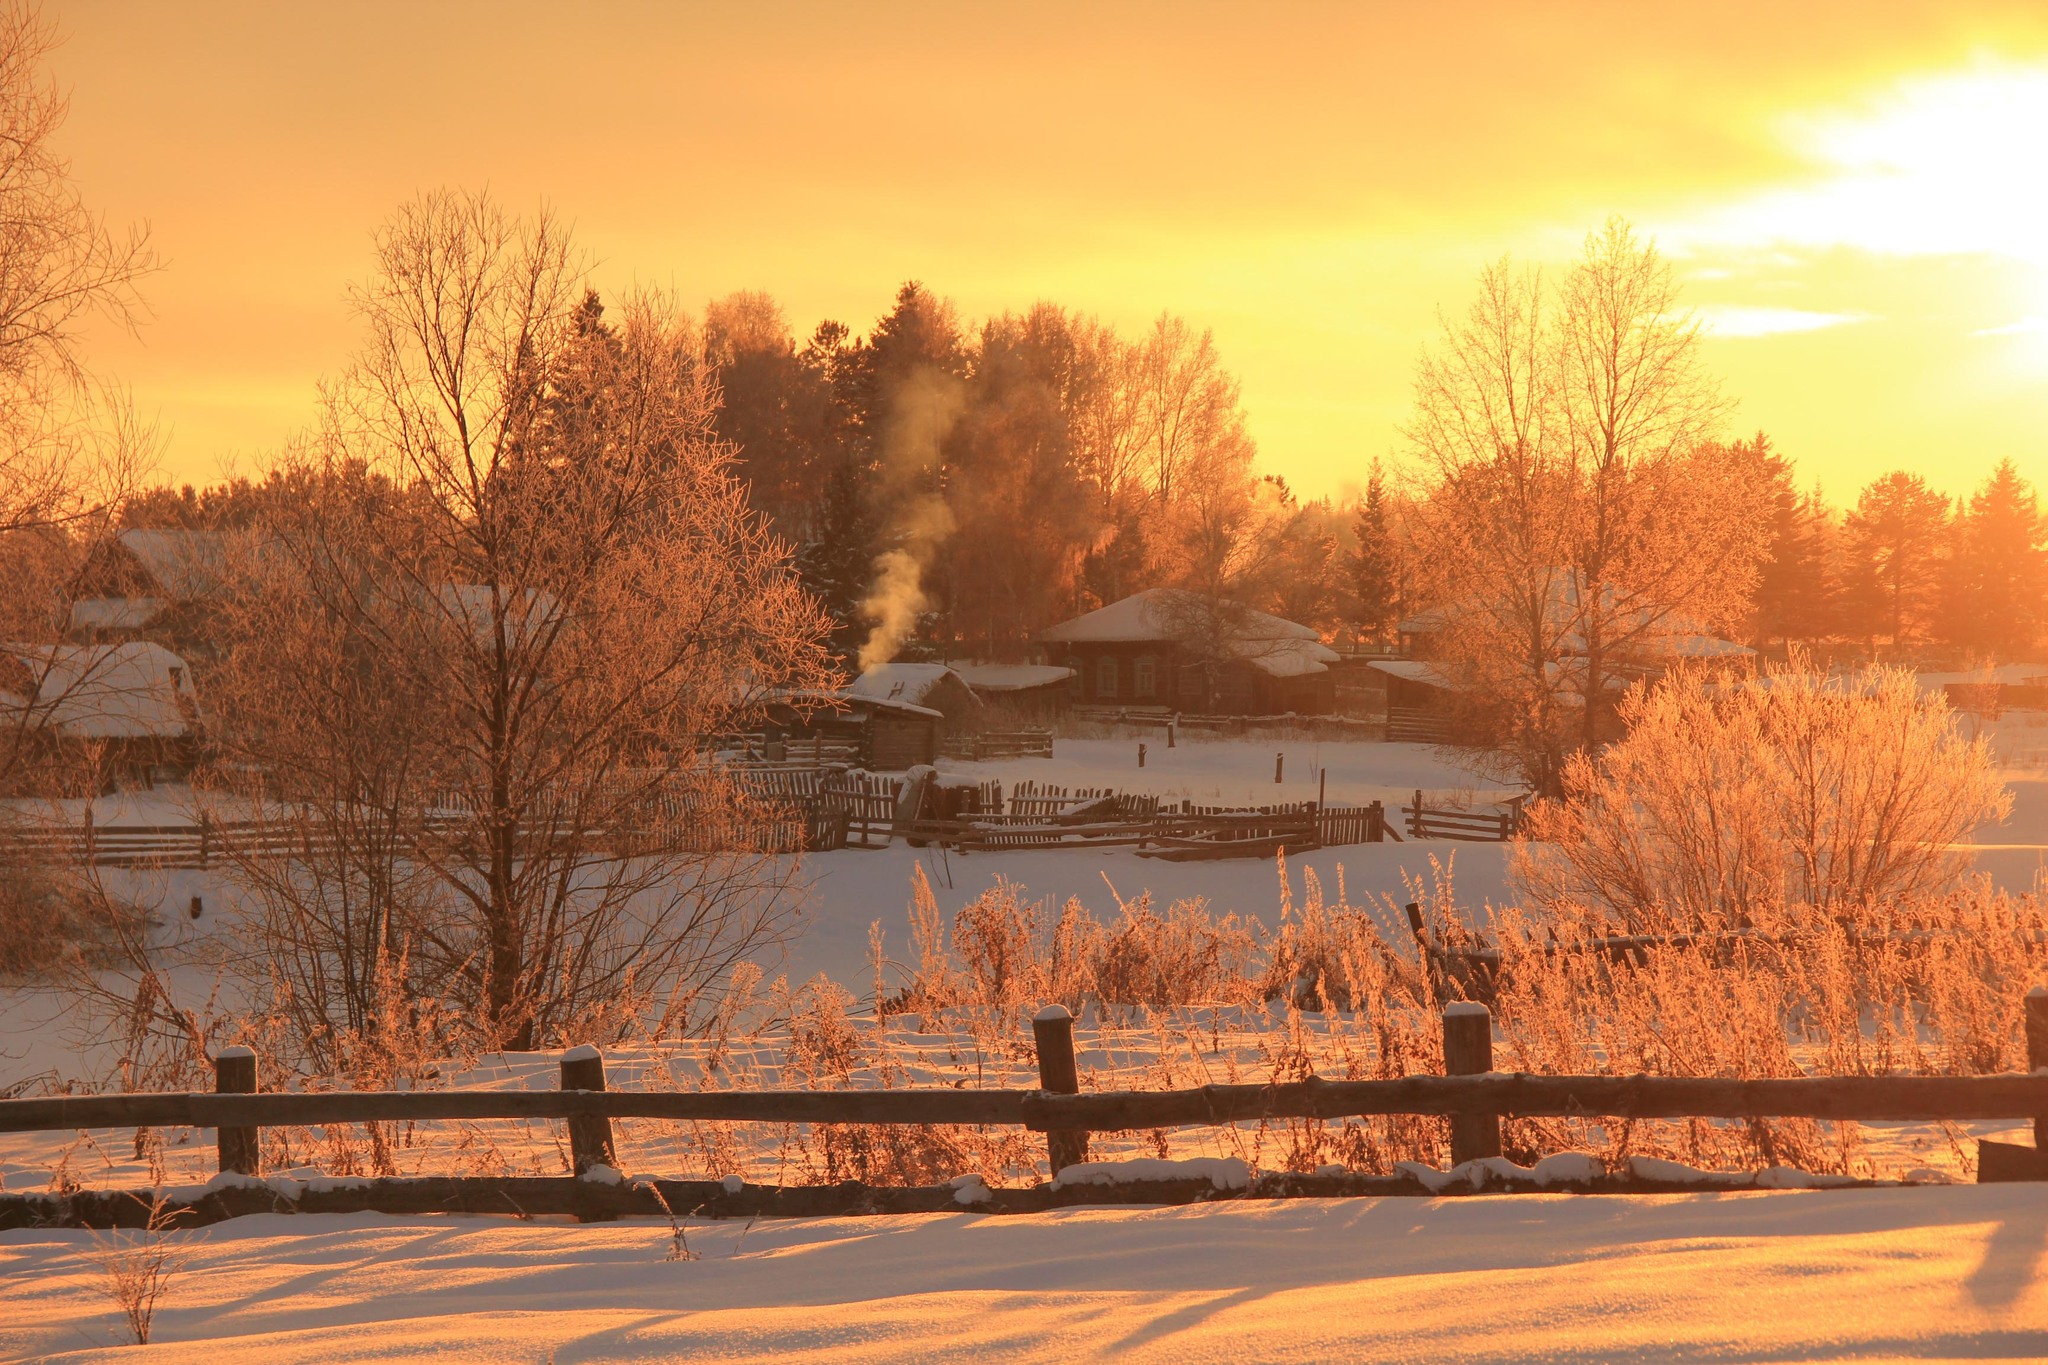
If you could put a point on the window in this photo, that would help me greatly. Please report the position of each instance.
(1143, 683)
(1105, 677)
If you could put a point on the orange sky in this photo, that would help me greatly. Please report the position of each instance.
(1856, 194)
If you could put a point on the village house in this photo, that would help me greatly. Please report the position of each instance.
(154, 580)
(132, 703)
(1177, 650)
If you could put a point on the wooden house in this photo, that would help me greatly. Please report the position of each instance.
(1020, 693)
(132, 701)
(1179, 651)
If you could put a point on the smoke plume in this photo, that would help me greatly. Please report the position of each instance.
(921, 413)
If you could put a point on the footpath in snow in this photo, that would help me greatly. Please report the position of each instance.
(1924, 1274)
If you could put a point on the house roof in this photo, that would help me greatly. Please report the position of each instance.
(115, 613)
(1281, 648)
(1012, 677)
(1654, 632)
(132, 690)
(185, 564)
(1414, 670)
(909, 684)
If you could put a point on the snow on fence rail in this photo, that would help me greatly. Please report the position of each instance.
(1470, 1094)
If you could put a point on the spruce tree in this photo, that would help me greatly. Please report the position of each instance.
(1376, 566)
(1995, 584)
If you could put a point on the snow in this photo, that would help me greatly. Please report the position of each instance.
(1559, 1168)
(1051, 1014)
(1465, 1009)
(1223, 1173)
(1281, 648)
(583, 1052)
(120, 691)
(1012, 677)
(1938, 1273)
(908, 684)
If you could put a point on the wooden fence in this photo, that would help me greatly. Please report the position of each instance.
(810, 809)
(1448, 822)
(987, 745)
(1469, 1093)
(1414, 725)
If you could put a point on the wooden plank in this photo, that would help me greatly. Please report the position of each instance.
(63, 1112)
(1867, 1098)
(2002, 1162)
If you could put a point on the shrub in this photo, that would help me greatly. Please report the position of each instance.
(1732, 797)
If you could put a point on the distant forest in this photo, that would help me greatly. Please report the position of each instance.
(949, 489)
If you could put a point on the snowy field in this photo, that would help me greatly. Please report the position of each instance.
(1913, 1274)
(1951, 1272)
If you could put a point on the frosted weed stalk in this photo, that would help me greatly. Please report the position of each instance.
(137, 1265)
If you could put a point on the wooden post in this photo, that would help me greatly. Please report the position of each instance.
(1172, 724)
(1468, 1051)
(590, 1135)
(1141, 755)
(1059, 1074)
(2037, 1051)
(234, 1073)
(1279, 762)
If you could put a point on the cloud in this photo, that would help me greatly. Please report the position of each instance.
(1937, 164)
(1731, 321)
(2029, 326)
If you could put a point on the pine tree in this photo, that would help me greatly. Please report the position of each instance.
(1896, 538)
(1995, 581)
(1376, 566)
(838, 561)
(1793, 591)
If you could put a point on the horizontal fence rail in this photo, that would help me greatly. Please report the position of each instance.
(291, 1109)
(1470, 1095)
(1875, 1099)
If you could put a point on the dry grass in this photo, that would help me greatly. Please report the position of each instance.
(138, 1264)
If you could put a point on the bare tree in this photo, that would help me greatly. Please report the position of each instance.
(1577, 517)
(70, 448)
(60, 264)
(531, 542)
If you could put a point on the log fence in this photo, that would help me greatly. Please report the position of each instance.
(1471, 1095)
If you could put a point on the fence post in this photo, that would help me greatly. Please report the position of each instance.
(590, 1135)
(1172, 724)
(1141, 755)
(1052, 1031)
(234, 1073)
(1279, 762)
(1468, 1051)
(2037, 1051)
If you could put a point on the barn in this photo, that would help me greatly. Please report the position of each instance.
(1177, 650)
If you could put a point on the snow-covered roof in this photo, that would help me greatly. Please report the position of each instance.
(911, 683)
(185, 564)
(115, 613)
(1652, 631)
(1284, 649)
(471, 604)
(1413, 670)
(1012, 677)
(132, 690)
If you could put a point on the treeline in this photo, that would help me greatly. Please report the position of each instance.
(950, 490)
(1907, 567)
(954, 489)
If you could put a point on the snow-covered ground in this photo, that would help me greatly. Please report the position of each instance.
(1945, 1273)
